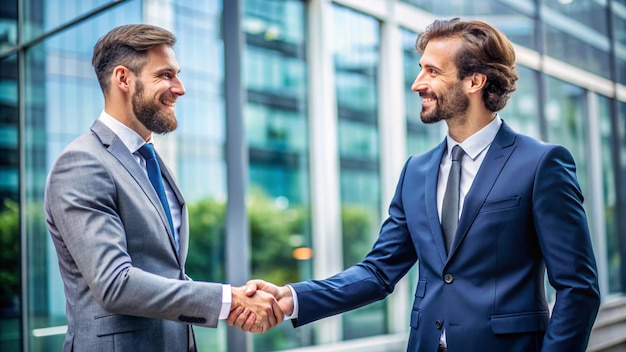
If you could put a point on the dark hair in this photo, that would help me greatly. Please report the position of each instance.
(485, 50)
(128, 46)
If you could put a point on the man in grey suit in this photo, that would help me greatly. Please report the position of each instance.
(122, 242)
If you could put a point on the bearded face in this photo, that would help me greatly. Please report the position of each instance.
(156, 113)
(449, 103)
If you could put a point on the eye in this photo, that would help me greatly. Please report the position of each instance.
(166, 75)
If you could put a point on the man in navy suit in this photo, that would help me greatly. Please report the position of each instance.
(520, 215)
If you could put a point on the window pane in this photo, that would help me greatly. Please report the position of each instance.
(617, 260)
(522, 110)
(576, 33)
(8, 25)
(610, 196)
(513, 17)
(10, 282)
(276, 122)
(619, 32)
(356, 58)
(420, 136)
(197, 149)
(590, 13)
(42, 16)
(565, 115)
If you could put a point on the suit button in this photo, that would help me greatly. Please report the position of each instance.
(438, 324)
(448, 278)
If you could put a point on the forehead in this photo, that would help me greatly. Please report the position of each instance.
(162, 57)
(441, 52)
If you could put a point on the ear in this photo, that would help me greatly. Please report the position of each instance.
(477, 81)
(122, 78)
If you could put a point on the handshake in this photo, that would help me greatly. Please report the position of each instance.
(259, 306)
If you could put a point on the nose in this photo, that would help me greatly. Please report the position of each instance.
(177, 87)
(418, 84)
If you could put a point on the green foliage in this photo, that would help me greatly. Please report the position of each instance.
(9, 255)
(271, 233)
(206, 259)
(357, 226)
(274, 234)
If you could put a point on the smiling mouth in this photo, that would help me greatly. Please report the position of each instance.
(428, 100)
(169, 103)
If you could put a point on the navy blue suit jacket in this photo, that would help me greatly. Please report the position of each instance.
(522, 215)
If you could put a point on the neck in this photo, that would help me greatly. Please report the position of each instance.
(127, 117)
(462, 128)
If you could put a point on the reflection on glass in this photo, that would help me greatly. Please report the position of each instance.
(617, 259)
(420, 136)
(590, 13)
(567, 46)
(356, 58)
(613, 254)
(199, 141)
(565, 115)
(8, 25)
(619, 36)
(576, 33)
(274, 73)
(42, 16)
(522, 110)
(10, 299)
(513, 17)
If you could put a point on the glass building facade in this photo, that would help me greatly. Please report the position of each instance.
(307, 104)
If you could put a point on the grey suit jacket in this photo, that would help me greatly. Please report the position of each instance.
(125, 285)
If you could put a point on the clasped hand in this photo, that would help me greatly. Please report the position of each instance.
(259, 306)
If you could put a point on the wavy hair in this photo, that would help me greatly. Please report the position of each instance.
(485, 50)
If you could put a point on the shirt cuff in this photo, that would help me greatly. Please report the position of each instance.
(227, 298)
(294, 314)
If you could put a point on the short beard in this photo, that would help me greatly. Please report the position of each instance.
(150, 114)
(450, 104)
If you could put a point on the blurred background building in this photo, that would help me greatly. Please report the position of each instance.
(297, 120)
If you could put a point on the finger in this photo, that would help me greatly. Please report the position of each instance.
(271, 314)
(248, 324)
(252, 286)
(261, 326)
(242, 318)
(233, 315)
(279, 315)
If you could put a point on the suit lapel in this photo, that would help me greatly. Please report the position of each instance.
(430, 191)
(117, 148)
(497, 155)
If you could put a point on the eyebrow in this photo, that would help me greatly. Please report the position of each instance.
(429, 66)
(167, 69)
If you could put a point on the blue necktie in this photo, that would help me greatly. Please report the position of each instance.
(154, 174)
(450, 207)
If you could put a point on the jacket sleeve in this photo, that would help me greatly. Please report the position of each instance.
(371, 280)
(564, 238)
(83, 216)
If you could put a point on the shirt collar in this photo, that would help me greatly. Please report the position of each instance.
(131, 139)
(479, 141)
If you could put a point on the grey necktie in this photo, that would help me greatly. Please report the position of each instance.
(450, 207)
